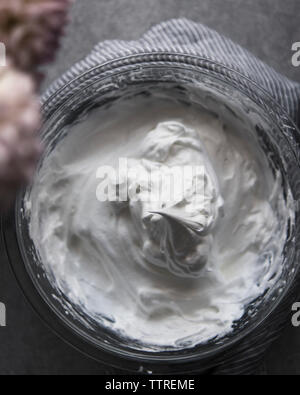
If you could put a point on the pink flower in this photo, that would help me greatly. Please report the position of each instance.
(30, 30)
(19, 124)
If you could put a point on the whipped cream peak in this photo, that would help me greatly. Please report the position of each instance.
(175, 231)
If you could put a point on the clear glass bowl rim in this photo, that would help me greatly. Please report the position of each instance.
(51, 104)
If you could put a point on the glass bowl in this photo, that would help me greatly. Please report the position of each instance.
(190, 80)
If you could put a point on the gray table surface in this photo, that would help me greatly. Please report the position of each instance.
(267, 28)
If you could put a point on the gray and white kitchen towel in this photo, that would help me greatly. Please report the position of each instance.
(182, 36)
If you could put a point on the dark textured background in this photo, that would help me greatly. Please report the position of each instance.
(267, 28)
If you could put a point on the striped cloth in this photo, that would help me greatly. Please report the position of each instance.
(181, 36)
(186, 37)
